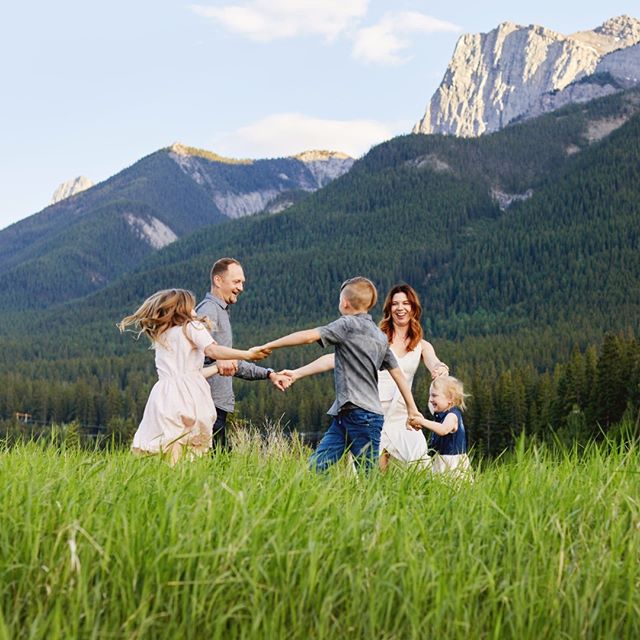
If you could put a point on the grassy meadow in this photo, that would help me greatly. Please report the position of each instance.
(542, 544)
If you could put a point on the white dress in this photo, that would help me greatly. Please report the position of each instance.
(403, 444)
(179, 411)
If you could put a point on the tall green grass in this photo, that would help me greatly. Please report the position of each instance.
(252, 545)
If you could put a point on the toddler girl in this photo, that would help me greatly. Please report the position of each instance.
(448, 438)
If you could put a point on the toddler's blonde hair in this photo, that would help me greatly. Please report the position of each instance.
(452, 388)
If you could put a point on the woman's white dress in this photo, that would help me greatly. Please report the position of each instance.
(401, 443)
(179, 411)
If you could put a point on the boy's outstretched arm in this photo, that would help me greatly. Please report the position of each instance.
(307, 336)
(405, 390)
(319, 365)
(218, 352)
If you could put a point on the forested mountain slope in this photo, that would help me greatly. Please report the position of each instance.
(420, 209)
(82, 243)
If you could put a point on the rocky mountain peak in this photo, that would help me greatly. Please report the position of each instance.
(250, 186)
(70, 188)
(514, 72)
(325, 166)
(320, 155)
(624, 27)
(178, 150)
(615, 33)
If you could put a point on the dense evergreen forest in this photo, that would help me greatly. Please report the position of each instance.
(580, 399)
(535, 306)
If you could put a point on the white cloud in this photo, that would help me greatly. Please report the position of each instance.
(266, 20)
(285, 134)
(387, 40)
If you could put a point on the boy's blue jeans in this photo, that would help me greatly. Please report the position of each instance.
(357, 431)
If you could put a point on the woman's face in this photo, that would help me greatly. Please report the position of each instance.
(401, 310)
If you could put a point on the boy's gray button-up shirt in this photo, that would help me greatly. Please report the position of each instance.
(361, 350)
(217, 310)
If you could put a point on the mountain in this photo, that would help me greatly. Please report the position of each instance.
(524, 245)
(529, 227)
(244, 187)
(83, 242)
(70, 188)
(514, 73)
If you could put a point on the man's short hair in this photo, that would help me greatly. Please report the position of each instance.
(360, 292)
(221, 266)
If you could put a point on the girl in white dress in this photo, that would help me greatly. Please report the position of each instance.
(401, 323)
(180, 413)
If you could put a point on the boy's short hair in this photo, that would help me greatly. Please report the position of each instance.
(360, 292)
(453, 389)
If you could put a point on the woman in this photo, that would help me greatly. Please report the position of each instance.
(401, 315)
(401, 324)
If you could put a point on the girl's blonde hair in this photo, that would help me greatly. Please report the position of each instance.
(161, 311)
(453, 389)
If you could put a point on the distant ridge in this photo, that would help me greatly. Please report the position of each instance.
(184, 150)
(85, 240)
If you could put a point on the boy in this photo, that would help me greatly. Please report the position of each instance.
(361, 349)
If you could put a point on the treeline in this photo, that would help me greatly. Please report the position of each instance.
(580, 399)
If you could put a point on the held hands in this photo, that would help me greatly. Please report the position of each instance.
(441, 369)
(292, 374)
(280, 380)
(259, 353)
(227, 367)
(284, 379)
(414, 422)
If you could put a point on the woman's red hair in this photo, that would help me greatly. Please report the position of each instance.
(414, 330)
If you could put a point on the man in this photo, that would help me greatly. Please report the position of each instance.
(227, 283)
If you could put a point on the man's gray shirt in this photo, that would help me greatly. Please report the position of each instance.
(217, 310)
(361, 350)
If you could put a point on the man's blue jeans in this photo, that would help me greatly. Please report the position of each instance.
(357, 431)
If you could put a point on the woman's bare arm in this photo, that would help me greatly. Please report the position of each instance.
(435, 366)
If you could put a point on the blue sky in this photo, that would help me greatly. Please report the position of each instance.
(90, 88)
